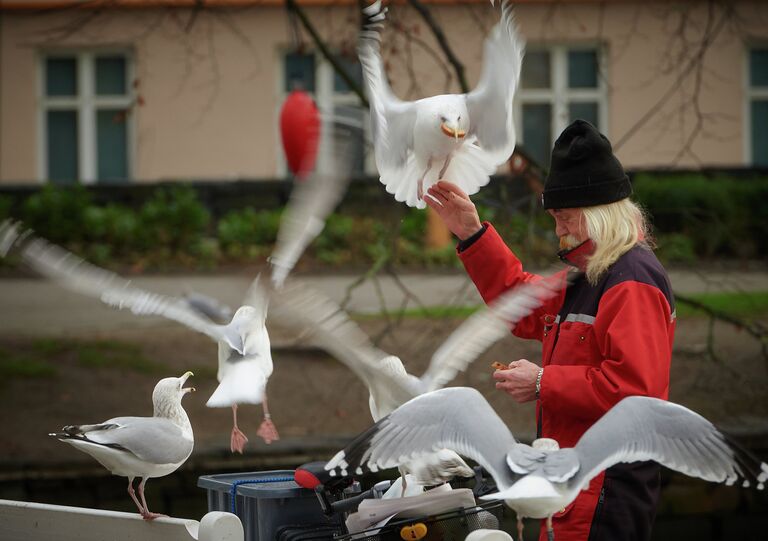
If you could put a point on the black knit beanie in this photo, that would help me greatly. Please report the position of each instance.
(584, 172)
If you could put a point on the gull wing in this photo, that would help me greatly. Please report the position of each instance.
(643, 428)
(76, 274)
(392, 120)
(312, 200)
(487, 326)
(326, 325)
(456, 418)
(490, 103)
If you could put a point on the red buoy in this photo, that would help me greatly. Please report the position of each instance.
(300, 132)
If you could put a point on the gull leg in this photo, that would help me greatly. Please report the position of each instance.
(404, 483)
(132, 493)
(445, 165)
(550, 529)
(267, 431)
(519, 528)
(146, 514)
(238, 440)
(420, 185)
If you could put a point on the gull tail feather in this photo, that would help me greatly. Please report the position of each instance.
(403, 183)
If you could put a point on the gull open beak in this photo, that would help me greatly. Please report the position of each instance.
(184, 379)
(450, 132)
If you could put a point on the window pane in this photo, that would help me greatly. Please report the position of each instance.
(537, 131)
(354, 69)
(585, 111)
(760, 132)
(110, 75)
(299, 72)
(582, 69)
(354, 115)
(536, 70)
(61, 76)
(61, 145)
(758, 67)
(112, 144)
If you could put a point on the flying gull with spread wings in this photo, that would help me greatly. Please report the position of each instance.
(460, 137)
(538, 482)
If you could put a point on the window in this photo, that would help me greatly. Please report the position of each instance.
(558, 85)
(757, 102)
(314, 74)
(86, 127)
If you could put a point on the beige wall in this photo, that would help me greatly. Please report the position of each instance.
(211, 92)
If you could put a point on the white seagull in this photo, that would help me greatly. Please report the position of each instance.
(143, 447)
(326, 325)
(244, 355)
(537, 483)
(462, 137)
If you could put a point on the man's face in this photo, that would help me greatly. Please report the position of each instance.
(569, 226)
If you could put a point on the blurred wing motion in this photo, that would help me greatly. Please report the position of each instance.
(490, 104)
(312, 200)
(489, 325)
(78, 275)
(326, 325)
(207, 306)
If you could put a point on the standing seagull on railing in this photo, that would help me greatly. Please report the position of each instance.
(538, 482)
(326, 325)
(143, 447)
(462, 137)
(244, 355)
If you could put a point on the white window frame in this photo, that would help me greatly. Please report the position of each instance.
(559, 94)
(326, 99)
(86, 103)
(750, 93)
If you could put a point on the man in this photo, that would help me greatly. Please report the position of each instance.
(608, 335)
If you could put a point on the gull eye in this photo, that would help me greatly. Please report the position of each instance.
(442, 118)
(459, 118)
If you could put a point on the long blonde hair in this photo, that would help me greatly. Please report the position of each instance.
(614, 228)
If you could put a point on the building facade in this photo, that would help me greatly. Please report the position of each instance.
(133, 91)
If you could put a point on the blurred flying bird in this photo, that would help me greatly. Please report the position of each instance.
(326, 325)
(538, 482)
(244, 356)
(460, 137)
(143, 447)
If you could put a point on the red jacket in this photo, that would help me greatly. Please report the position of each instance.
(600, 344)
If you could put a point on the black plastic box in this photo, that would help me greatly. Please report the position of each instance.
(270, 501)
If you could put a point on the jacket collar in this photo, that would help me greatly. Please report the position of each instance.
(577, 256)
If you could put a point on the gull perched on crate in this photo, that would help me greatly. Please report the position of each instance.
(462, 137)
(143, 447)
(244, 355)
(326, 325)
(537, 483)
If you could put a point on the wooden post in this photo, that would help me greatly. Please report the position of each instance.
(438, 236)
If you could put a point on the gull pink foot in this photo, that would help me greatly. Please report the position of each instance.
(238, 441)
(267, 431)
(151, 516)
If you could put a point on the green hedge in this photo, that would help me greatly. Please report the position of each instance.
(694, 217)
(707, 217)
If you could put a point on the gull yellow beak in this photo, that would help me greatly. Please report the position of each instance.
(450, 132)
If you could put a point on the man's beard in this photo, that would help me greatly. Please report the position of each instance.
(568, 242)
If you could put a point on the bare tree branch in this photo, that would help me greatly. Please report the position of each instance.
(437, 31)
(293, 7)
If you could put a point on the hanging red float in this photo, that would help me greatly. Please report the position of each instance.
(300, 132)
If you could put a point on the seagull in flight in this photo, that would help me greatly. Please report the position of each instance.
(462, 137)
(143, 447)
(244, 355)
(326, 325)
(538, 482)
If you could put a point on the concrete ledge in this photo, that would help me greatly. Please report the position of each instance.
(27, 521)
